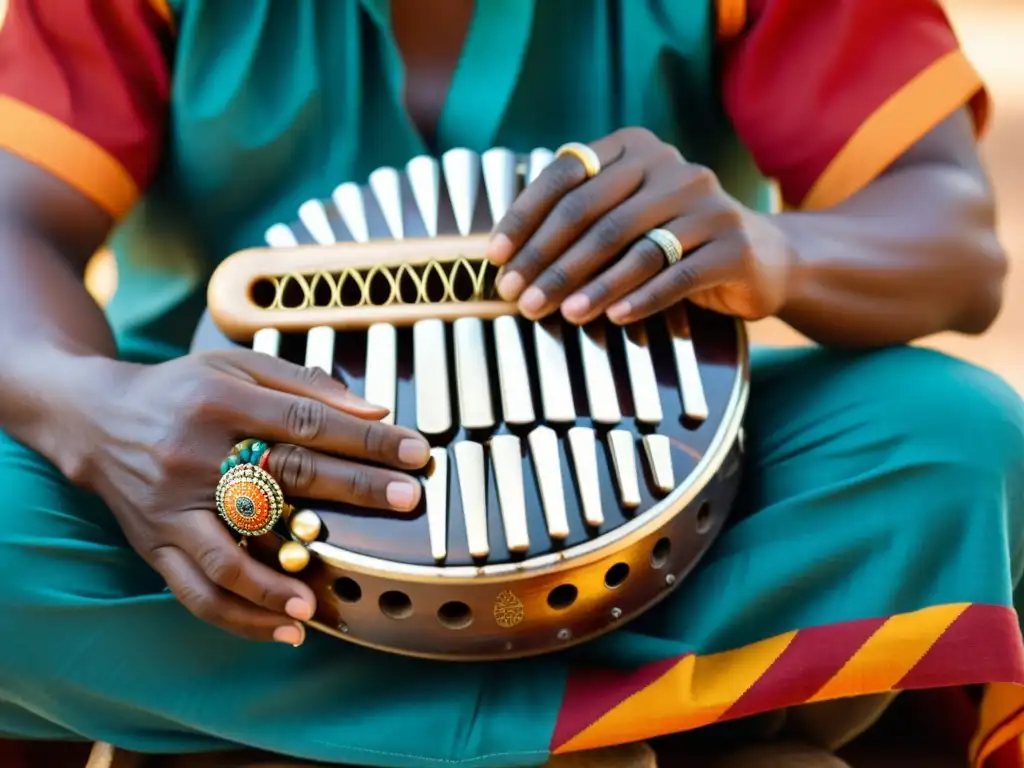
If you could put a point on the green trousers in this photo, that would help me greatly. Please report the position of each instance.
(881, 512)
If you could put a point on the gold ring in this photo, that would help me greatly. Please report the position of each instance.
(250, 500)
(583, 153)
(668, 243)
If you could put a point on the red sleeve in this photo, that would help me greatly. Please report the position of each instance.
(84, 88)
(828, 93)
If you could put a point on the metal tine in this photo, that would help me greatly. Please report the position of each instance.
(424, 174)
(462, 175)
(313, 216)
(380, 378)
(386, 184)
(348, 199)
(321, 339)
(499, 167)
(539, 160)
(268, 340)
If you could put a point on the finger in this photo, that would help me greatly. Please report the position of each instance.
(207, 602)
(202, 536)
(643, 261)
(310, 475)
(539, 198)
(707, 267)
(284, 418)
(602, 243)
(275, 373)
(570, 218)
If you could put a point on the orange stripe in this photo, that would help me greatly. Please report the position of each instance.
(897, 125)
(999, 719)
(890, 653)
(163, 10)
(732, 18)
(4, 5)
(75, 159)
(1000, 737)
(700, 689)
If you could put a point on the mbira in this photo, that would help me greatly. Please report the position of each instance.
(578, 474)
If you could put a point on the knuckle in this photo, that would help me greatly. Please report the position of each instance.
(636, 135)
(359, 486)
(295, 467)
(573, 209)
(556, 279)
(199, 603)
(514, 223)
(610, 232)
(703, 178)
(375, 441)
(305, 419)
(683, 278)
(223, 568)
(312, 377)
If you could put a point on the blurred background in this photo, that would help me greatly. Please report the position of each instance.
(992, 32)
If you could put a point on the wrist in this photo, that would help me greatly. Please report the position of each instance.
(84, 395)
(796, 270)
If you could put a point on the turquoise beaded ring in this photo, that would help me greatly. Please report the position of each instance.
(249, 451)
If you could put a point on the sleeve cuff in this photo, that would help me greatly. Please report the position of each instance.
(53, 146)
(900, 122)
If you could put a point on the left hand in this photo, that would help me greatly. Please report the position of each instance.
(578, 244)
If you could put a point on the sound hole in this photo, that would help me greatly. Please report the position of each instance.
(562, 596)
(704, 517)
(347, 590)
(395, 605)
(455, 615)
(659, 555)
(263, 293)
(616, 575)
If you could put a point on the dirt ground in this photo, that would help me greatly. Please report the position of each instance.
(992, 32)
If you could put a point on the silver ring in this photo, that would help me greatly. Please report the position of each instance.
(587, 156)
(668, 243)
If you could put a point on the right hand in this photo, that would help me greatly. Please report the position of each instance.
(153, 450)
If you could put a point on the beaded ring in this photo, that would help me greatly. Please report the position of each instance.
(248, 497)
(249, 451)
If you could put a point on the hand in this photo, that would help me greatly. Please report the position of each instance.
(578, 244)
(160, 433)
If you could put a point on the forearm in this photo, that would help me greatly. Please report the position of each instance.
(913, 254)
(50, 330)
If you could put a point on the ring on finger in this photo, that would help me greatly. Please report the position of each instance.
(668, 243)
(587, 156)
(248, 497)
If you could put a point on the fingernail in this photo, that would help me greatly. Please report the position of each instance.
(499, 250)
(299, 609)
(413, 453)
(511, 285)
(619, 312)
(577, 305)
(533, 300)
(401, 495)
(290, 634)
